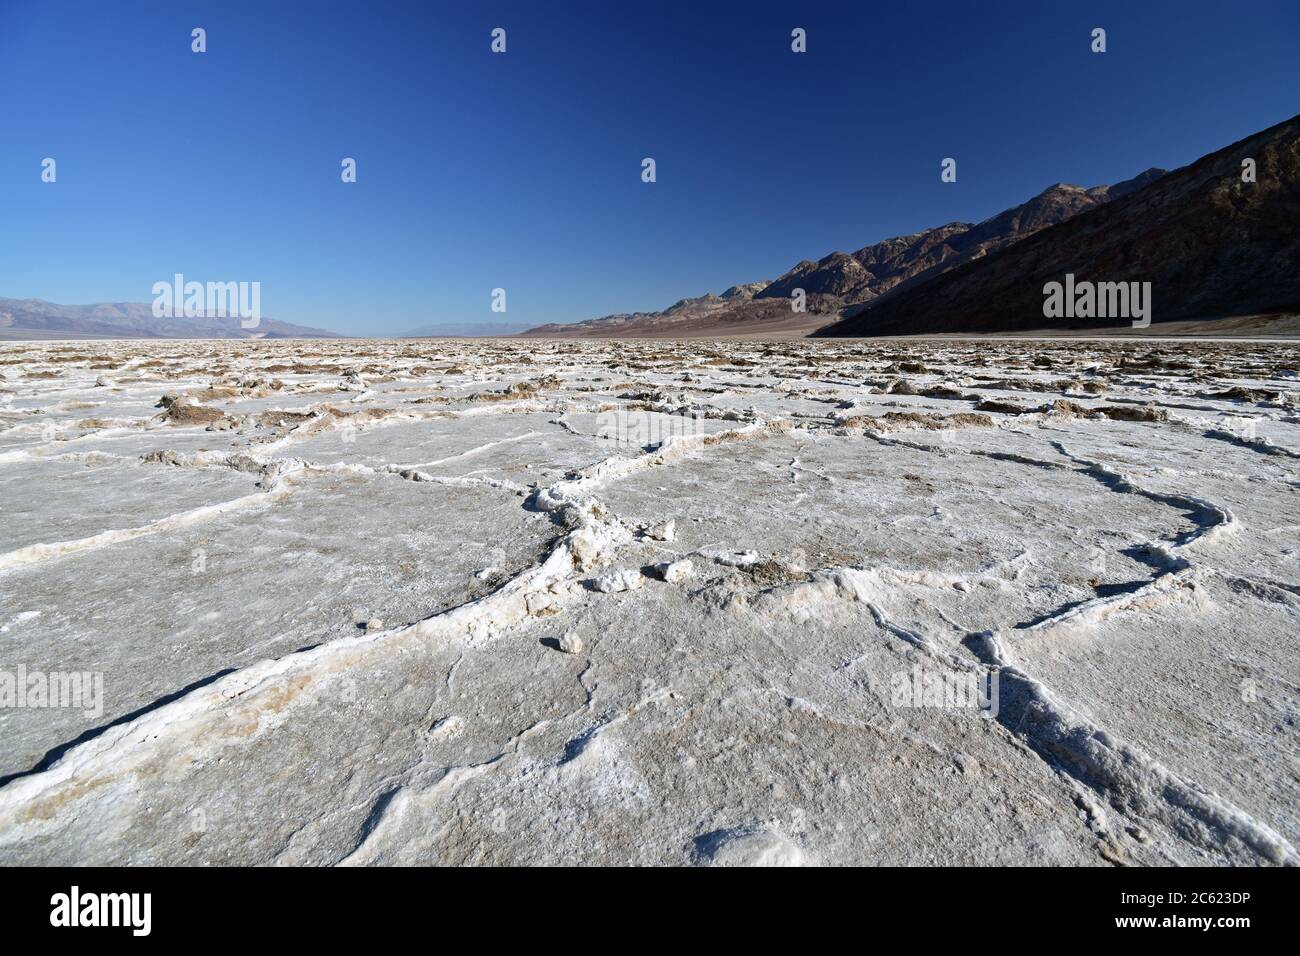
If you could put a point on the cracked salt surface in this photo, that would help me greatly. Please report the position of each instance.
(327, 611)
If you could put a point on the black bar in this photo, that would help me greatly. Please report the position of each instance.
(301, 906)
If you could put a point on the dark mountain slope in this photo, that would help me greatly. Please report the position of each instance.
(1210, 244)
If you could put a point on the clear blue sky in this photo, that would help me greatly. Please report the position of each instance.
(523, 170)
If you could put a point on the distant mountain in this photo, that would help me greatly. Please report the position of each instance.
(1210, 244)
(682, 313)
(36, 318)
(464, 329)
(844, 279)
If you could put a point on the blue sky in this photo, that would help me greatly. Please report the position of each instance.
(523, 170)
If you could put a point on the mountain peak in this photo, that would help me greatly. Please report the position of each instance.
(1204, 243)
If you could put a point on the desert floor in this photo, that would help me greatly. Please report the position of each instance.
(640, 602)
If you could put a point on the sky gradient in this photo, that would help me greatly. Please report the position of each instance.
(523, 170)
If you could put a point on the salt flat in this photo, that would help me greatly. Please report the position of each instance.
(494, 601)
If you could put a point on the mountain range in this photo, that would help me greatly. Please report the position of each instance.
(38, 319)
(1211, 244)
(842, 279)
